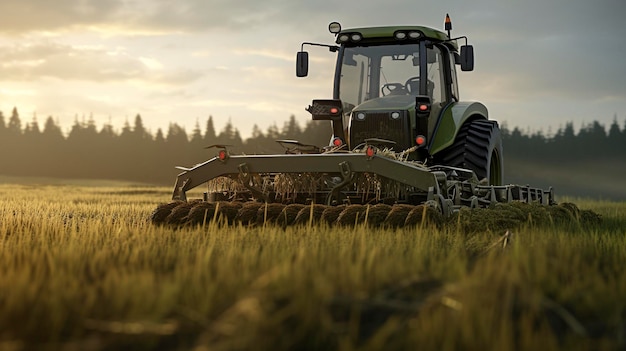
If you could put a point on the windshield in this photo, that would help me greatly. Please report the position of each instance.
(373, 71)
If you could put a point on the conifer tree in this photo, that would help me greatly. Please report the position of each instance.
(139, 131)
(159, 138)
(196, 135)
(52, 133)
(615, 140)
(209, 132)
(15, 125)
(32, 128)
(107, 132)
(291, 129)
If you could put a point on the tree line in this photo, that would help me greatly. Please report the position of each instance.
(591, 142)
(134, 153)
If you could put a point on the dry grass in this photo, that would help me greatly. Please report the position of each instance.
(82, 269)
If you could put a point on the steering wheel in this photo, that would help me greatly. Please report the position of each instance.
(393, 89)
(412, 85)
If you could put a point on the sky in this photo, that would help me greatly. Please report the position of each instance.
(538, 63)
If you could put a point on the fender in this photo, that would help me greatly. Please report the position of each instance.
(451, 120)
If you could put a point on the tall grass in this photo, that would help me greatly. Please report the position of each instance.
(81, 268)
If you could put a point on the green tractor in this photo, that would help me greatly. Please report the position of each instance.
(401, 137)
(400, 84)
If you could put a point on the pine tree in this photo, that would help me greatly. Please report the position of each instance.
(127, 134)
(614, 131)
(32, 128)
(196, 136)
(209, 132)
(3, 127)
(291, 130)
(176, 135)
(107, 132)
(52, 132)
(614, 141)
(15, 125)
(256, 132)
(91, 130)
(272, 132)
(159, 138)
(139, 131)
(227, 135)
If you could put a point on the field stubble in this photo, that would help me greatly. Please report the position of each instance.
(82, 268)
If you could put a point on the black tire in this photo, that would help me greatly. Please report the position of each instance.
(478, 147)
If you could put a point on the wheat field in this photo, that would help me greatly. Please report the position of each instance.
(82, 268)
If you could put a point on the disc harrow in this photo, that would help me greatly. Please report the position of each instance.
(179, 213)
(498, 216)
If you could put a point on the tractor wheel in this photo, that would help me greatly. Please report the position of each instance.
(478, 147)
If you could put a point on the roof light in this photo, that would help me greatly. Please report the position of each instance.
(414, 34)
(400, 35)
(356, 37)
(344, 38)
(334, 27)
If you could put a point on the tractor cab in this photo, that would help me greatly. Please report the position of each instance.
(391, 83)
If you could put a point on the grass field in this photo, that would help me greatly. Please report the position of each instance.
(81, 268)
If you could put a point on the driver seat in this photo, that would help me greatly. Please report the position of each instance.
(413, 86)
(399, 91)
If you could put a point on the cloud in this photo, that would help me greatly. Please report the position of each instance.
(36, 15)
(136, 16)
(31, 62)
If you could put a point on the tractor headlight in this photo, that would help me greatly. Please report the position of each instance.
(360, 116)
(395, 115)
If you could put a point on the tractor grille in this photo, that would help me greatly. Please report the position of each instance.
(380, 125)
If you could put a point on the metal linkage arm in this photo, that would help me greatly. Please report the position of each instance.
(406, 173)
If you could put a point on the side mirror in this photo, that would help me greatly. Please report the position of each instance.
(302, 64)
(467, 58)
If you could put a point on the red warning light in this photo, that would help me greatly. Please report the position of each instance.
(369, 151)
(423, 107)
(334, 110)
(337, 142)
(222, 155)
(420, 140)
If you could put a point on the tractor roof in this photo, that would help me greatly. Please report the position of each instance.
(369, 33)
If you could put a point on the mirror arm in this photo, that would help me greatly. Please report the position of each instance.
(457, 38)
(332, 48)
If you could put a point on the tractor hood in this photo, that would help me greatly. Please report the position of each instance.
(386, 117)
(388, 103)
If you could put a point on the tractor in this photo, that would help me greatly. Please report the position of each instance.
(401, 136)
